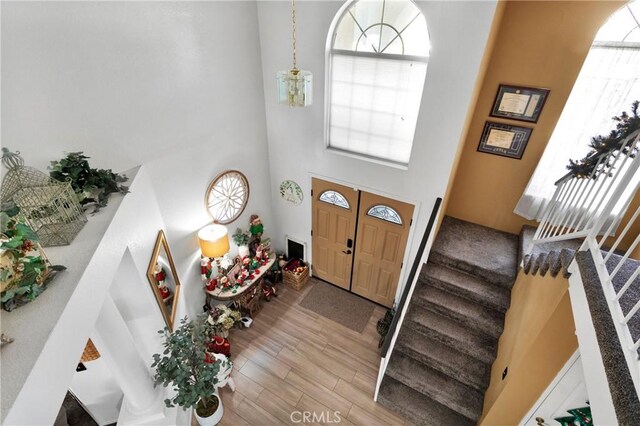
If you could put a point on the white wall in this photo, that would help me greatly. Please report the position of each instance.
(175, 86)
(458, 32)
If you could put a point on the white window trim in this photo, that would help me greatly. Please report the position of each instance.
(329, 51)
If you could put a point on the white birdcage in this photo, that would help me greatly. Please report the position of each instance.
(50, 207)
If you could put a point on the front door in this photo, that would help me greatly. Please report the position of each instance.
(383, 229)
(367, 260)
(335, 208)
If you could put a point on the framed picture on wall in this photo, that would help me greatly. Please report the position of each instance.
(519, 103)
(504, 139)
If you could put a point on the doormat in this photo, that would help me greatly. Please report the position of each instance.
(338, 305)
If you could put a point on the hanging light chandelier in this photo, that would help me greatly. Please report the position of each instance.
(295, 86)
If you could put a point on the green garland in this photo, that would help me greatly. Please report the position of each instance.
(90, 185)
(603, 144)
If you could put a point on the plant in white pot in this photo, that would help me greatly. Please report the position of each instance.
(190, 370)
(241, 238)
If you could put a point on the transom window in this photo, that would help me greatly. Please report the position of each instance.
(385, 213)
(377, 57)
(335, 198)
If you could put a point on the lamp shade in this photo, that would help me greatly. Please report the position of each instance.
(214, 240)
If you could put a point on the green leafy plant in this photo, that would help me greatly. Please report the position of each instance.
(626, 125)
(241, 238)
(90, 185)
(24, 272)
(188, 367)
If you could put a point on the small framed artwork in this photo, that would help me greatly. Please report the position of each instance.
(504, 139)
(519, 103)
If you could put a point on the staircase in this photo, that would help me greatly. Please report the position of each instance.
(441, 364)
(553, 257)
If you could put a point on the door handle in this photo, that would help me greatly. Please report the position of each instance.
(346, 252)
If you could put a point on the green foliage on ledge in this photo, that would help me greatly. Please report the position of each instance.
(92, 186)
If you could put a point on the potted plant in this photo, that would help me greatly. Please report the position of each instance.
(241, 238)
(192, 372)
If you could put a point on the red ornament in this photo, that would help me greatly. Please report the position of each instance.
(160, 276)
(212, 284)
(164, 292)
(220, 345)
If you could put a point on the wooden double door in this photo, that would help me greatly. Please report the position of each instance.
(358, 240)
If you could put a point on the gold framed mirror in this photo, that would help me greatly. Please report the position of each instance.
(164, 279)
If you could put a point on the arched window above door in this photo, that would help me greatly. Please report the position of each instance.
(335, 198)
(385, 213)
(377, 55)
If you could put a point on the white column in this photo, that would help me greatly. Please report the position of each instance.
(116, 345)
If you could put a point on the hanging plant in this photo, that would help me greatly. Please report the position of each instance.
(24, 270)
(92, 186)
(626, 125)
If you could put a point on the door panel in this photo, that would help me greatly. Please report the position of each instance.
(332, 226)
(379, 249)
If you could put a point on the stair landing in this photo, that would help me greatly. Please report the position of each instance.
(481, 251)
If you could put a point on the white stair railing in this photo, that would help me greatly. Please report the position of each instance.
(579, 204)
(591, 208)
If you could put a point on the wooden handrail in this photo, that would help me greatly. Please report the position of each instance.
(412, 274)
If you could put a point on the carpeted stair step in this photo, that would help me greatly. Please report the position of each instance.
(444, 358)
(461, 284)
(472, 342)
(484, 252)
(418, 407)
(437, 386)
(459, 309)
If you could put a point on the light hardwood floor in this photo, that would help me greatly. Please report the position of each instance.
(294, 360)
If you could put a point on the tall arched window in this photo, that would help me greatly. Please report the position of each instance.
(377, 53)
(608, 83)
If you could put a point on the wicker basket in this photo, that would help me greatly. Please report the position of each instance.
(296, 280)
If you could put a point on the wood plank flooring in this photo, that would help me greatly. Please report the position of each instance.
(294, 360)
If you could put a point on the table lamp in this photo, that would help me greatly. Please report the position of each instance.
(214, 241)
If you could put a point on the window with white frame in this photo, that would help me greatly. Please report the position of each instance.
(608, 83)
(377, 62)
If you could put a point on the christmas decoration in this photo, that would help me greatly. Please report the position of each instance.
(222, 319)
(24, 269)
(600, 145)
(161, 277)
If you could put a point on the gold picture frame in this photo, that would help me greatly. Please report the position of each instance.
(162, 273)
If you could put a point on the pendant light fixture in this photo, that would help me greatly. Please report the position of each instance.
(295, 86)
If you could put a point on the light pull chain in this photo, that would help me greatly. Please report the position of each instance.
(293, 31)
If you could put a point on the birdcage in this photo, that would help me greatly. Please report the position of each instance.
(50, 207)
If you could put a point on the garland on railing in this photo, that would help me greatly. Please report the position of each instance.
(604, 144)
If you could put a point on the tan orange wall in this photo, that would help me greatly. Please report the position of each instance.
(538, 339)
(486, 59)
(539, 44)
